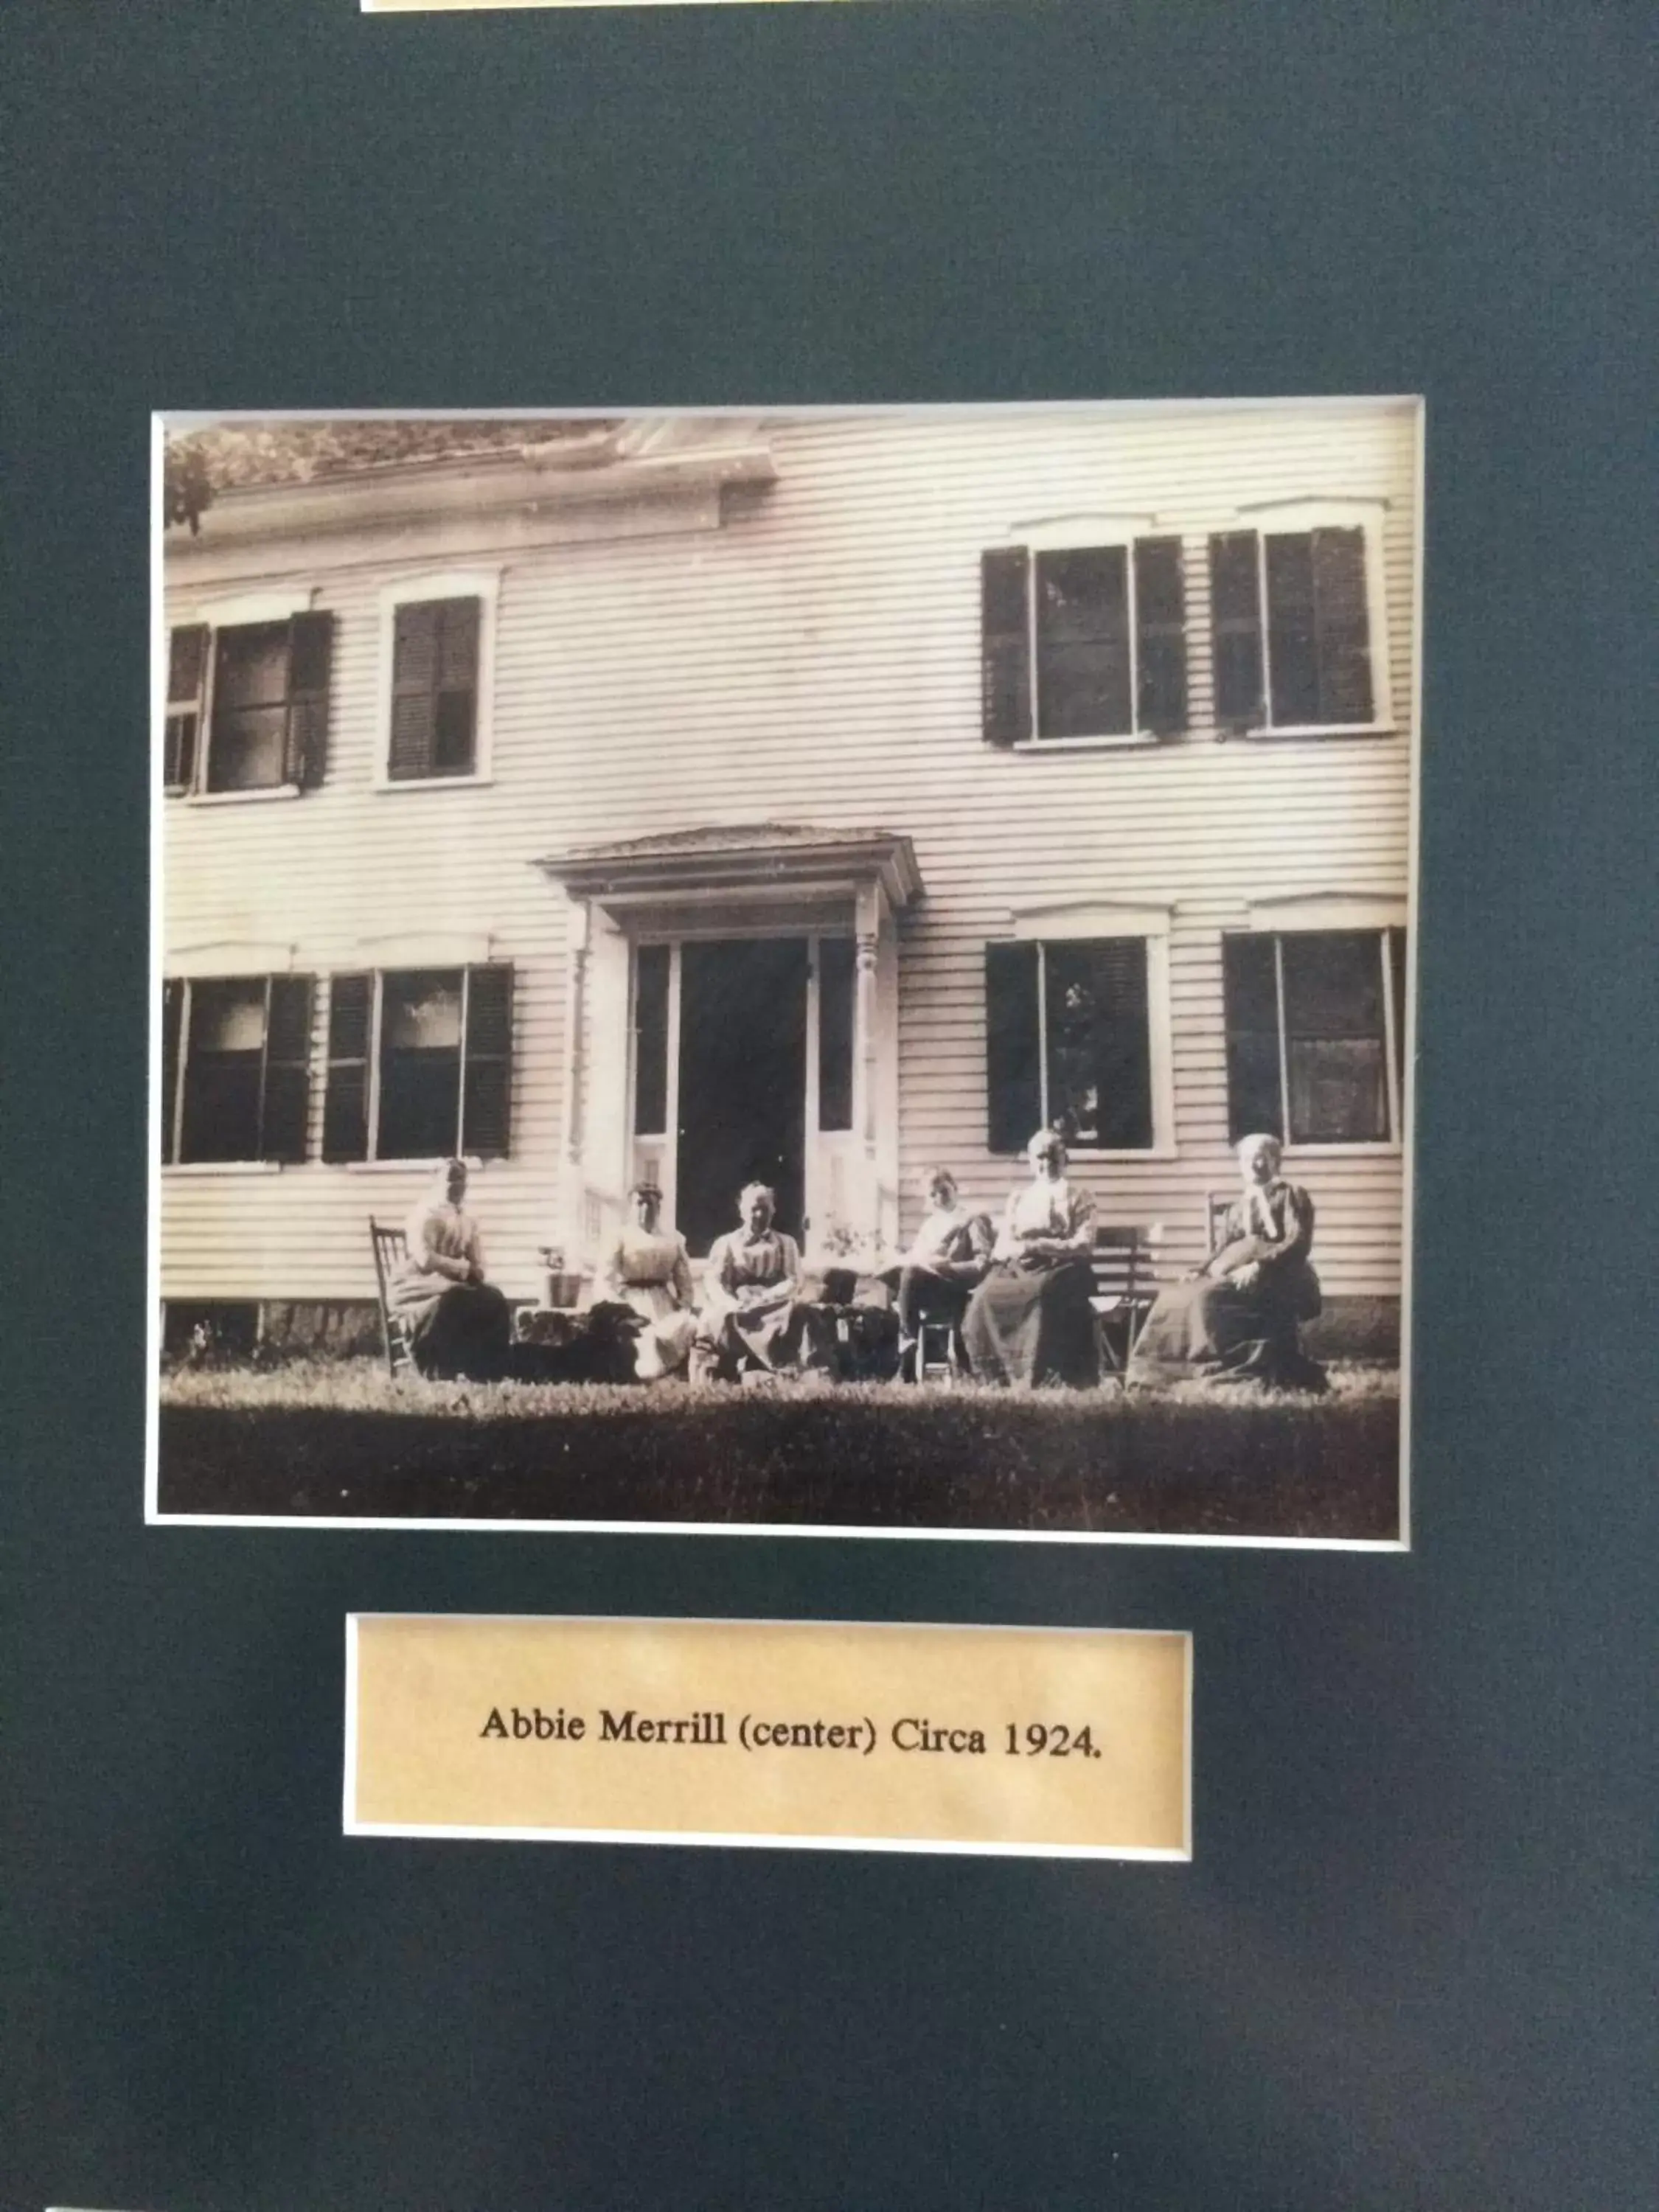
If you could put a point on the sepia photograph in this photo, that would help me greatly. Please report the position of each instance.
(816, 971)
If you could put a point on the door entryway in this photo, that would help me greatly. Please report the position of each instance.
(742, 1081)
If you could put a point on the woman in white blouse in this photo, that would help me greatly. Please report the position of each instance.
(948, 1256)
(1030, 1319)
(649, 1270)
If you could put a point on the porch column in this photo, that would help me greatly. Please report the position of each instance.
(579, 928)
(868, 923)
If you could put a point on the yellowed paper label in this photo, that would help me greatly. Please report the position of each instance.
(1062, 1741)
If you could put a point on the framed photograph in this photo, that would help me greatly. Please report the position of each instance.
(820, 970)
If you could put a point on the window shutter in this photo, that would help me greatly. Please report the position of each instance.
(456, 707)
(413, 690)
(287, 1069)
(1342, 626)
(1161, 635)
(1292, 639)
(1236, 629)
(172, 1011)
(1123, 1043)
(1006, 646)
(486, 1075)
(345, 1106)
(1013, 1073)
(310, 654)
(1250, 983)
(187, 660)
(1398, 978)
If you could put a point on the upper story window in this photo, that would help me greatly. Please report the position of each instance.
(1298, 625)
(420, 1063)
(1084, 638)
(437, 656)
(247, 701)
(235, 1068)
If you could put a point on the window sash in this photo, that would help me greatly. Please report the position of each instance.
(1120, 626)
(445, 1074)
(197, 1071)
(1297, 1043)
(1048, 1086)
(1318, 716)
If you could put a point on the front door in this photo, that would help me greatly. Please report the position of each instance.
(742, 1081)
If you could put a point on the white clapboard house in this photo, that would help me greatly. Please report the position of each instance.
(819, 796)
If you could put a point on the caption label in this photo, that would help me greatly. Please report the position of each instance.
(1044, 1741)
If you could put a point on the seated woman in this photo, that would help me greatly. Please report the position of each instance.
(1030, 1319)
(460, 1325)
(752, 1306)
(647, 1271)
(948, 1256)
(1236, 1319)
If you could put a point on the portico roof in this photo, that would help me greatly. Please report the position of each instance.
(783, 858)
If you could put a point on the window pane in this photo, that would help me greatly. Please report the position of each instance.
(1335, 1037)
(1099, 1060)
(651, 1040)
(1292, 649)
(250, 708)
(835, 992)
(1250, 983)
(420, 1063)
(1337, 1090)
(222, 1068)
(1083, 643)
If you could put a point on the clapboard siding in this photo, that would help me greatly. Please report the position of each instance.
(814, 658)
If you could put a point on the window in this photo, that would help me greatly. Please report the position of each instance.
(1084, 641)
(1297, 630)
(420, 1063)
(235, 1068)
(1069, 1042)
(248, 704)
(1315, 1034)
(837, 986)
(437, 648)
(650, 990)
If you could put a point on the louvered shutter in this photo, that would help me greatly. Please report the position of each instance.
(310, 657)
(187, 661)
(1251, 980)
(1397, 977)
(172, 1011)
(1236, 629)
(287, 1069)
(413, 690)
(1006, 646)
(1161, 635)
(345, 1105)
(1292, 633)
(1013, 1073)
(456, 706)
(486, 1075)
(1342, 626)
(1122, 1042)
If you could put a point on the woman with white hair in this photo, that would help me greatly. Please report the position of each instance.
(1236, 1321)
(1030, 1319)
(753, 1313)
(460, 1325)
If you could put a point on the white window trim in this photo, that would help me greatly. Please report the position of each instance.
(1061, 533)
(1075, 920)
(238, 610)
(1279, 518)
(1309, 913)
(210, 964)
(229, 960)
(400, 966)
(483, 585)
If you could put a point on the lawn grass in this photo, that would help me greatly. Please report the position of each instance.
(340, 1438)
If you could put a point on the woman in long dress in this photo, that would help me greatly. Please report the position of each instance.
(1030, 1320)
(947, 1258)
(1236, 1321)
(460, 1325)
(752, 1308)
(649, 1270)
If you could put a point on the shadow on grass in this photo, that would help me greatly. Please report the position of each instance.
(860, 1459)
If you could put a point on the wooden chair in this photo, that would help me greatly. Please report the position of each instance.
(1217, 1205)
(938, 1352)
(1124, 1264)
(391, 1249)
